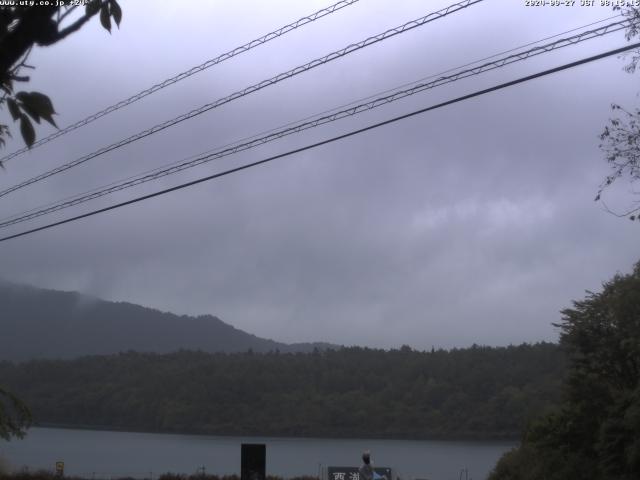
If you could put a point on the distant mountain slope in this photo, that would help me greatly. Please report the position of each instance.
(38, 323)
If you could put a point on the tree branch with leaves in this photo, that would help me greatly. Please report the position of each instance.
(621, 144)
(15, 416)
(21, 29)
(620, 140)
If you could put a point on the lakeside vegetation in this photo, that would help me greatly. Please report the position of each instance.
(45, 475)
(472, 393)
(594, 433)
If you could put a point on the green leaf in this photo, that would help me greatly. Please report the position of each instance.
(116, 11)
(104, 17)
(39, 104)
(50, 119)
(31, 112)
(26, 107)
(92, 7)
(14, 110)
(27, 131)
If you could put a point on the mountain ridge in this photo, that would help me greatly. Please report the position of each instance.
(41, 323)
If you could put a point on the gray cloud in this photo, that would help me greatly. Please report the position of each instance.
(473, 223)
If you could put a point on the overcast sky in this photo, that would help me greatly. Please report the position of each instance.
(473, 223)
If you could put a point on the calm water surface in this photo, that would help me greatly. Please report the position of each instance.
(142, 455)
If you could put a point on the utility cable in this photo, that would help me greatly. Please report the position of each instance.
(305, 125)
(514, 49)
(182, 75)
(258, 86)
(332, 139)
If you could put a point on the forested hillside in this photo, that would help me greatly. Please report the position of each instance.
(38, 323)
(479, 392)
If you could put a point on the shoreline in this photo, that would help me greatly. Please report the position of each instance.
(405, 437)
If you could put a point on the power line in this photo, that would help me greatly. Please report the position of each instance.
(258, 86)
(472, 63)
(305, 125)
(334, 109)
(182, 75)
(202, 158)
(330, 140)
(355, 102)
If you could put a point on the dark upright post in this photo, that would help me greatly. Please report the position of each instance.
(254, 460)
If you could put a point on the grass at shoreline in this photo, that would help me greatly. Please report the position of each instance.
(46, 475)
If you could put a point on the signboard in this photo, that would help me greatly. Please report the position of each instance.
(59, 469)
(353, 473)
(253, 459)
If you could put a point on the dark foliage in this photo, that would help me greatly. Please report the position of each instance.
(595, 433)
(45, 475)
(15, 416)
(620, 139)
(22, 27)
(479, 392)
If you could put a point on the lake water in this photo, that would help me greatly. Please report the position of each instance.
(104, 454)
